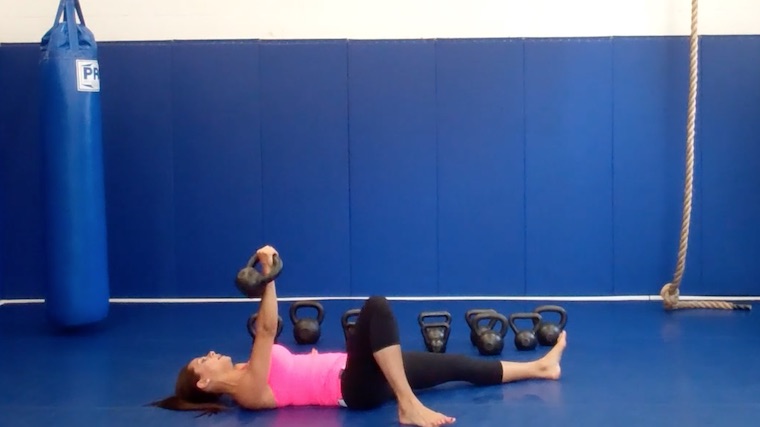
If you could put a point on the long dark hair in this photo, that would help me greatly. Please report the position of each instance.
(188, 397)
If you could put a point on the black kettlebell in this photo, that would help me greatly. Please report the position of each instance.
(251, 283)
(525, 339)
(306, 330)
(435, 334)
(548, 332)
(470, 314)
(489, 341)
(348, 324)
(252, 326)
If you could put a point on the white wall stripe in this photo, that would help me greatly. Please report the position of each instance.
(602, 298)
(111, 20)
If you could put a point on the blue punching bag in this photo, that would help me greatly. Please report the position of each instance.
(77, 291)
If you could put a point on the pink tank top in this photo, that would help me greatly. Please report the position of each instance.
(305, 379)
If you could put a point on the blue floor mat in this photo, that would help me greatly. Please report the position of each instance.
(627, 364)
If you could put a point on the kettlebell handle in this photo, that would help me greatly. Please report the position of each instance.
(494, 317)
(254, 288)
(428, 314)
(354, 312)
(306, 304)
(535, 316)
(553, 309)
(470, 314)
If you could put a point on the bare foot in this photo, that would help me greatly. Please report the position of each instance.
(419, 415)
(550, 363)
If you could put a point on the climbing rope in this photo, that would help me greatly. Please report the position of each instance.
(670, 292)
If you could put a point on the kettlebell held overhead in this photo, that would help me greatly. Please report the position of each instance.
(251, 283)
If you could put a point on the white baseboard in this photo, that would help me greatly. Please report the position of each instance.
(599, 298)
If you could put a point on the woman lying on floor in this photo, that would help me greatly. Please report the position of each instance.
(373, 370)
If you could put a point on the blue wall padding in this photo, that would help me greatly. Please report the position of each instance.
(305, 163)
(392, 129)
(22, 234)
(568, 131)
(139, 150)
(648, 163)
(217, 177)
(729, 156)
(481, 170)
(424, 167)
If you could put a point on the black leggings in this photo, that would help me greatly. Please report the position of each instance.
(364, 385)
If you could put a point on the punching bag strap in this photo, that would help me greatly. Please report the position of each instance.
(67, 8)
(79, 12)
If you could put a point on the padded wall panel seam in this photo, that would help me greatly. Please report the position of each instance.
(305, 163)
(480, 163)
(137, 148)
(23, 242)
(393, 177)
(215, 122)
(568, 173)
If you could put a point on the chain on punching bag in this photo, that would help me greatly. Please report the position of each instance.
(77, 291)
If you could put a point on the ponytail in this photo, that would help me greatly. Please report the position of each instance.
(188, 397)
(175, 403)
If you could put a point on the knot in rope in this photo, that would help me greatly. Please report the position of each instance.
(670, 294)
(670, 298)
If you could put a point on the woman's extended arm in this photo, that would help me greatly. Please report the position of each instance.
(266, 323)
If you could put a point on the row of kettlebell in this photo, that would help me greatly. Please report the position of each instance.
(306, 330)
(490, 341)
